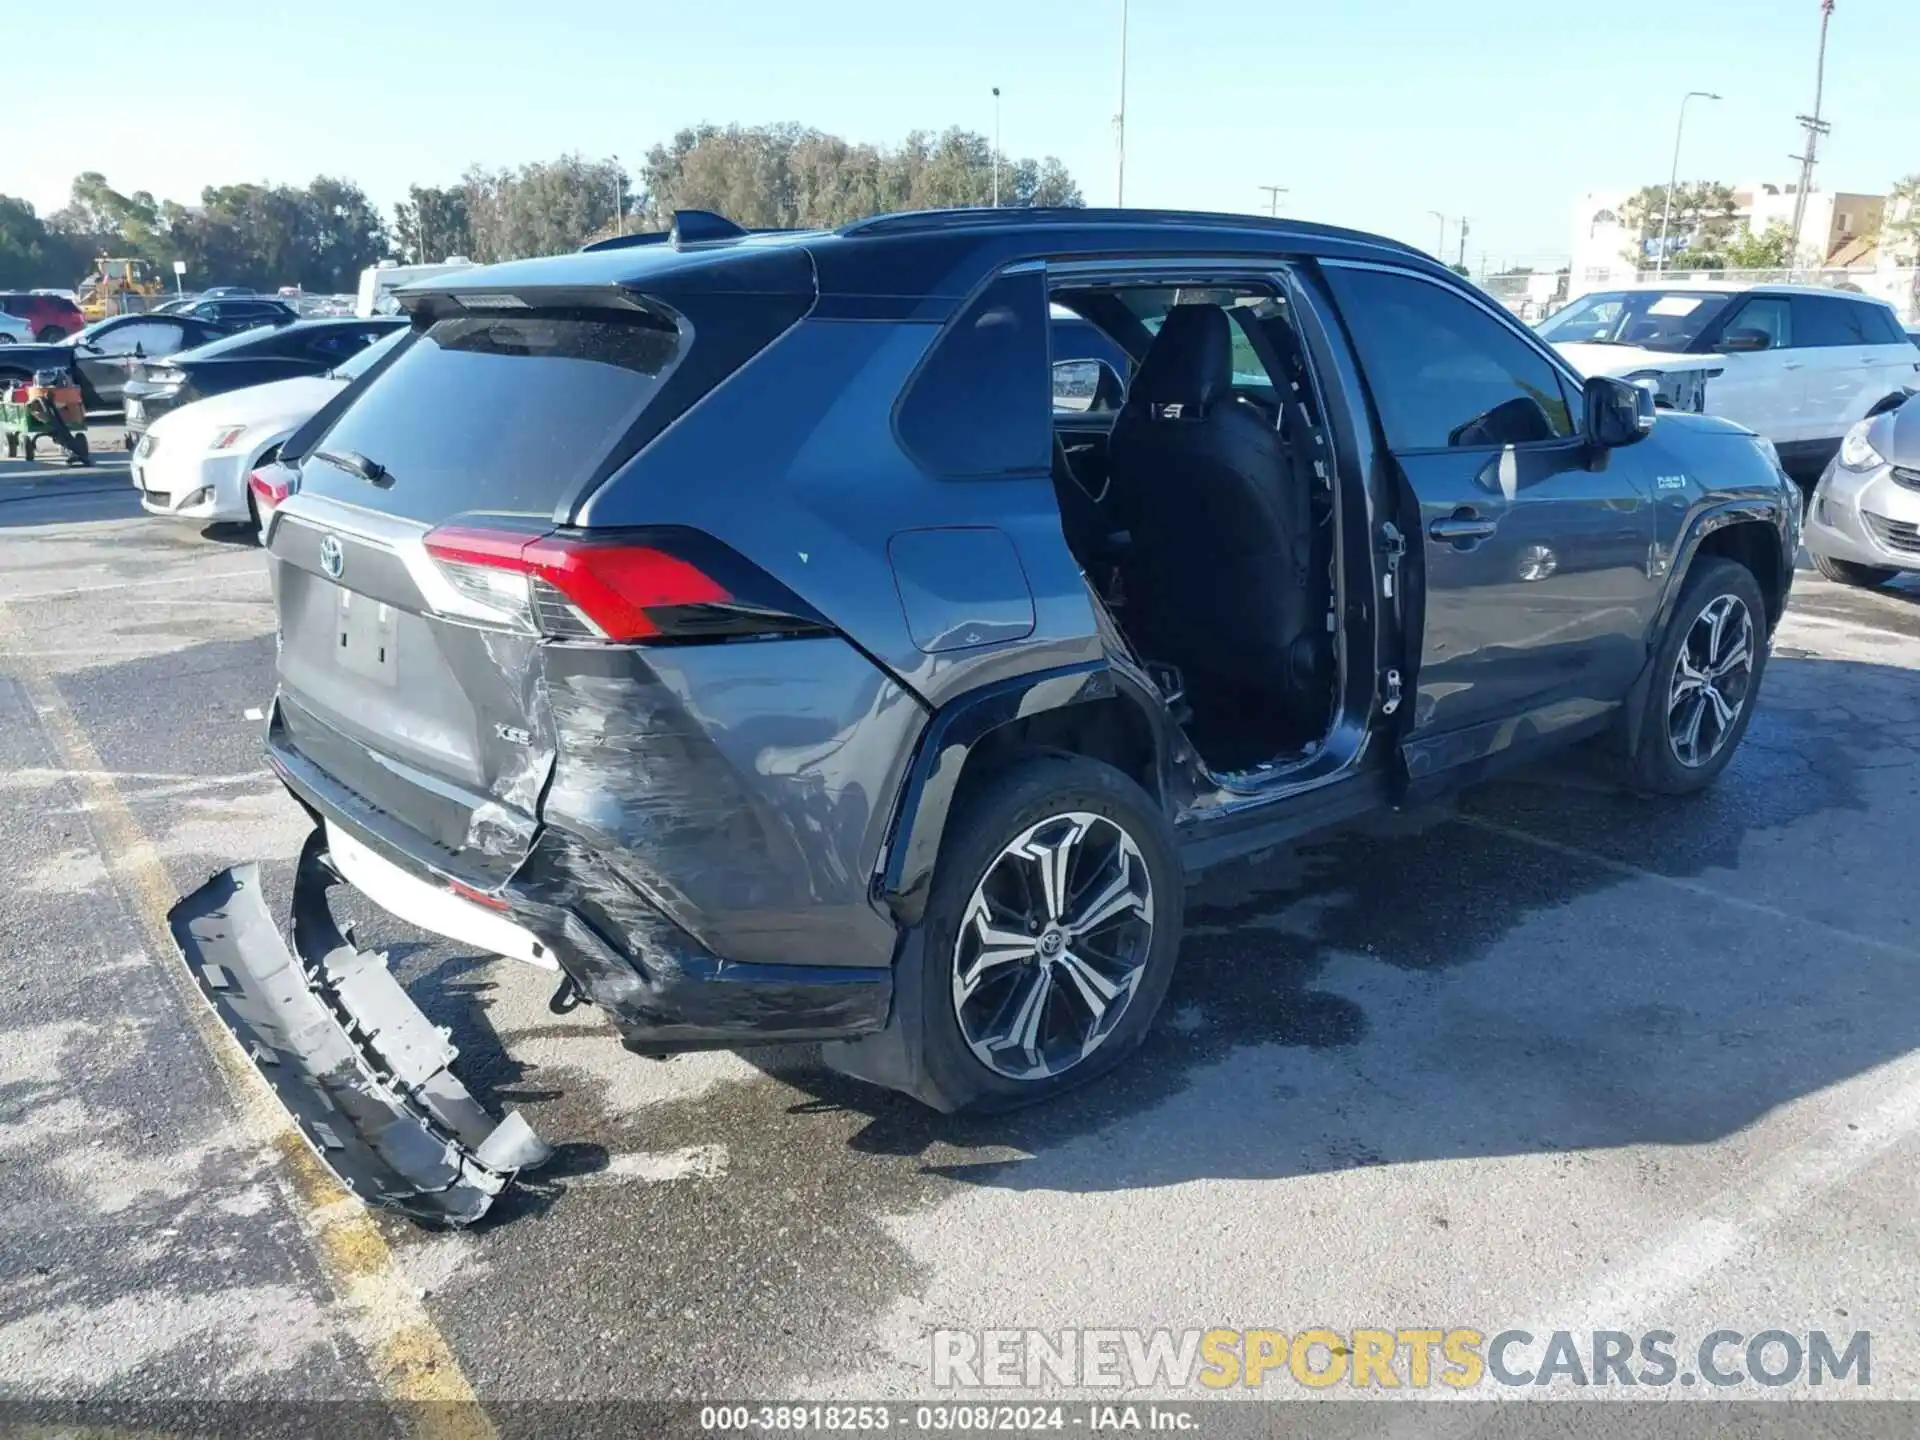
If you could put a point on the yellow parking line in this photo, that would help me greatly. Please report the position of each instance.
(412, 1363)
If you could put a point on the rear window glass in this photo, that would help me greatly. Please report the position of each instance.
(505, 412)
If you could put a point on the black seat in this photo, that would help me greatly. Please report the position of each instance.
(1214, 582)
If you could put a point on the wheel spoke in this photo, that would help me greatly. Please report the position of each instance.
(1025, 1029)
(1739, 655)
(1687, 742)
(1723, 713)
(1094, 987)
(1116, 899)
(1055, 860)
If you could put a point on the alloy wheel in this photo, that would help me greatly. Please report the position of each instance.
(1052, 945)
(1712, 677)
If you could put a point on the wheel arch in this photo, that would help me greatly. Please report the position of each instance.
(1096, 709)
(1752, 533)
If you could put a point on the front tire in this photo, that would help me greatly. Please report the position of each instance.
(1846, 572)
(1706, 678)
(1050, 935)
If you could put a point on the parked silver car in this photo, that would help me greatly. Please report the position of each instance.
(1863, 527)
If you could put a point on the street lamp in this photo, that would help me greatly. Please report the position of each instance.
(1120, 116)
(996, 147)
(1673, 176)
(1440, 245)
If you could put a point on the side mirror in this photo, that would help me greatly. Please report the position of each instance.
(1075, 382)
(1619, 412)
(1744, 340)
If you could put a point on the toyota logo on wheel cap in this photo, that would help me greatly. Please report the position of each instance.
(333, 557)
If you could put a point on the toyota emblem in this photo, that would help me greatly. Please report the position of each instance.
(333, 558)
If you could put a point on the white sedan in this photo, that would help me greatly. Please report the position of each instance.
(194, 463)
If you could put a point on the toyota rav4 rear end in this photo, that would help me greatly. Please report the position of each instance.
(531, 706)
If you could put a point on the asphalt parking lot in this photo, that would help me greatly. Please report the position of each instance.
(1550, 1058)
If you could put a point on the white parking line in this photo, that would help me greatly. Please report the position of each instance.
(199, 578)
(1634, 1290)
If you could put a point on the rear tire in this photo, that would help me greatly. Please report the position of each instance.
(1846, 572)
(50, 333)
(1706, 679)
(997, 1033)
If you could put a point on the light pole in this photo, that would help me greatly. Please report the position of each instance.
(996, 147)
(1673, 176)
(1274, 192)
(1463, 241)
(619, 196)
(1120, 116)
(1440, 245)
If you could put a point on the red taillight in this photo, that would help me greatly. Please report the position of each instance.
(478, 897)
(268, 487)
(576, 589)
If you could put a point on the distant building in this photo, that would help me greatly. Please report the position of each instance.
(1840, 229)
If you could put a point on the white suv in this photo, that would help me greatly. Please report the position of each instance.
(1797, 364)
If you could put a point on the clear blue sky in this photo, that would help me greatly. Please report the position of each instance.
(1373, 112)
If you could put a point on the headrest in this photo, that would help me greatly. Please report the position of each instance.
(1189, 364)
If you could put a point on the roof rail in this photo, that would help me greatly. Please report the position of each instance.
(909, 222)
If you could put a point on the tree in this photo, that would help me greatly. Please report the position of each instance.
(318, 237)
(1900, 231)
(1702, 223)
(1770, 249)
(540, 209)
(31, 254)
(787, 176)
(432, 223)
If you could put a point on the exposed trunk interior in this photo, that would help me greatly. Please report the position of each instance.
(1195, 490)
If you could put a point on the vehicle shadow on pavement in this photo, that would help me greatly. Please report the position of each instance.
(1550, 966)
(1641, 972)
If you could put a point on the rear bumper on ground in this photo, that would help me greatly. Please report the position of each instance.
(660, 987)
(361, 1071)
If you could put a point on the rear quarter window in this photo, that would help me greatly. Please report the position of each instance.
(980, 404)
(505, 412)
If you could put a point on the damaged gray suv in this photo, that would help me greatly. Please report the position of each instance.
(862, 636)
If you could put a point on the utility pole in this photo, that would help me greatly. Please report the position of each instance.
(1673, 176)
(1274, 192)
(996, 147)
(1120, 116)
(1440, 245)
(1815, 128)
(1463, 241)
(619, 196)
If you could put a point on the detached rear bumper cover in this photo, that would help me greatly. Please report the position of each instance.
(362, 1071)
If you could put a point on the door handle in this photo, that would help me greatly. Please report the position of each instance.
(1791, 364)
(1462, 525)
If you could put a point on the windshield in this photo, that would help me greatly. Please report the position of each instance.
(1651, 319)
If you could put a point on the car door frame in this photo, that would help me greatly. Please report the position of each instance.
(1364, 647)
(1554, 715)
(1791, 361)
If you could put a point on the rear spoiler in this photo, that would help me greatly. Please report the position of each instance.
(690, 227)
